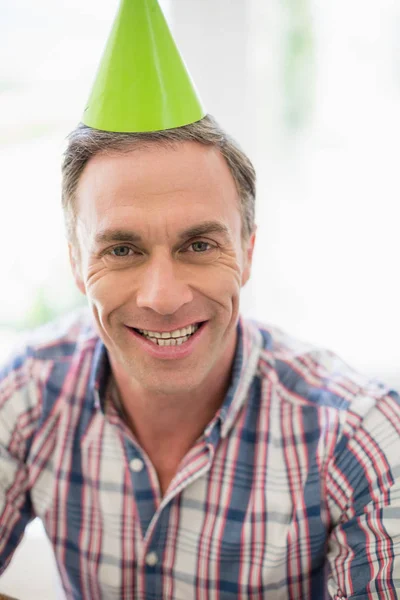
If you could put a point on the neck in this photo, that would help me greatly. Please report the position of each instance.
(167, 426)
(153, 413)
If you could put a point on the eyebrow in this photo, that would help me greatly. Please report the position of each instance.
(124, 235)
(204, 229)
(116, 235)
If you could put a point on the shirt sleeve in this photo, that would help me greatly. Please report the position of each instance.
(18, 417)
(363, 491)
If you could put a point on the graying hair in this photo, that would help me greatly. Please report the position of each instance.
(84, 143)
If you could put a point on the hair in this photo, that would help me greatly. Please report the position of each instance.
(84, 143)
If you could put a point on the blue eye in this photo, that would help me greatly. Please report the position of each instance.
(121, 251)
(200, 246)
(200, 252)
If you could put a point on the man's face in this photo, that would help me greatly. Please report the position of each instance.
(160, 250)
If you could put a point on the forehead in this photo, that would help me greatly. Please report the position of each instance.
(184, 181)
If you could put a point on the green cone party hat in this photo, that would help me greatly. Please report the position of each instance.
(142, 83)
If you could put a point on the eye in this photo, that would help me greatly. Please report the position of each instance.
(200, 252)
(200, 246)
(122, 256)
(121, 251)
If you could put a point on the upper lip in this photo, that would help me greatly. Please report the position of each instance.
(164, 330)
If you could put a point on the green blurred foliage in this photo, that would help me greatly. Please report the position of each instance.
(44, 309)
(41, 311)
(299, 64)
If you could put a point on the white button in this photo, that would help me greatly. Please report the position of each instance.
(151, 559)
(136, 465)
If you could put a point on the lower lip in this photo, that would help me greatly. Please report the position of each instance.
(169, 352)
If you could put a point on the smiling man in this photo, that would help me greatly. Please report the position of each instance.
(172, 448)
(160, 250)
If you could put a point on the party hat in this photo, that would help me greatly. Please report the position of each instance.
(142, 83)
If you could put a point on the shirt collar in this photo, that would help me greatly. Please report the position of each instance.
(244, 369)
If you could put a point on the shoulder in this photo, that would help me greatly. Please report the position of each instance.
(36, 365)
(310, 376)
(41, 356)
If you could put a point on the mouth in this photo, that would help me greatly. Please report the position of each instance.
(170, 338)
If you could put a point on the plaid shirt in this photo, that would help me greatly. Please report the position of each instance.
(293, 490)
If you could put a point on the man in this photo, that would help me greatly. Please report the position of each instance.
(173, 449)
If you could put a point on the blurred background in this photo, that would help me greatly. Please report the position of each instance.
(310, 89)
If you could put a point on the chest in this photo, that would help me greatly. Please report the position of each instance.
(236, 519)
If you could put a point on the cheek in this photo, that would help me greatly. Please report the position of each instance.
(220, 282)
(108, 289)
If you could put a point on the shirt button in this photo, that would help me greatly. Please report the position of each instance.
(151, 559)
(136, 465)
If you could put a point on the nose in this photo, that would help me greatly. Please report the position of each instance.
(161, 289)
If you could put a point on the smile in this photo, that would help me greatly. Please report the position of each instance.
(170, 338)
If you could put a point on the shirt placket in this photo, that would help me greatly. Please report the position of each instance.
(154, 511)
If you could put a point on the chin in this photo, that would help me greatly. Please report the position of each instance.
(160, 386)
(165, 378)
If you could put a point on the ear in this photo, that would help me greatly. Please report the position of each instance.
(76, 270)
(248, 249)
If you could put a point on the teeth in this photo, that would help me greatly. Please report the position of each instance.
(168, 335)
(170, 338)
(170, 341)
